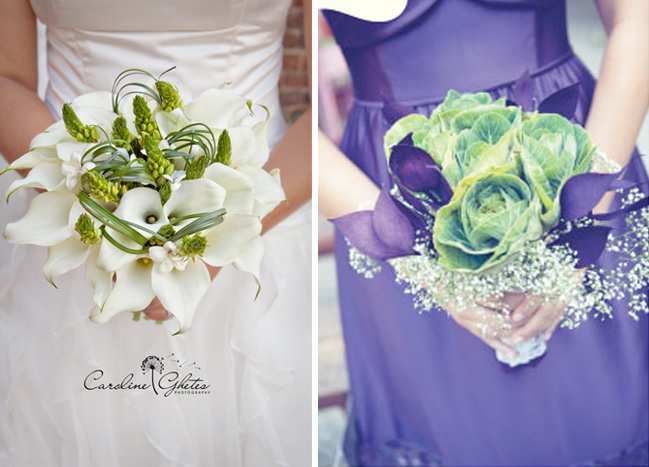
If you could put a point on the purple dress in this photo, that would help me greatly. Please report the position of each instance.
(424, 390)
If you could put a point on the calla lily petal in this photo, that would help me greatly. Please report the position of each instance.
(100, 99)
(29, 160)
(230, 238)
(65, 149)
(192, 197)
(56, 133)
(46, 221)
(228, 104)
(132, 292)
(168, 122)
(46, 176)
(100, 280)
(64, 257)
(142, 206)
(249, 145)
(240, 189)
(180, 292)
(268, 189)
(112, 258)
(250, 260)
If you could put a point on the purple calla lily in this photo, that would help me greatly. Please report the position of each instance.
(381, 234)
(416, 171)
(588, 242)
(562, 102)
(582, 192)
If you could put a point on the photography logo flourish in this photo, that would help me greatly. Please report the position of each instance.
(183, 380)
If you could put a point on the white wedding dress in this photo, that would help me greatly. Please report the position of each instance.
(254, 355)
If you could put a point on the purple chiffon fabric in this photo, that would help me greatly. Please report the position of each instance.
(425, 391)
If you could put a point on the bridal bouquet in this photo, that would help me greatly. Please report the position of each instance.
(490, 200)
(146, 187)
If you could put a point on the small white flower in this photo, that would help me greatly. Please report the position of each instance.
(73, 170)
(133, 157)
(167, 256)
(175, 178)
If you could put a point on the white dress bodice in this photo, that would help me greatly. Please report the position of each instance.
(89, 42)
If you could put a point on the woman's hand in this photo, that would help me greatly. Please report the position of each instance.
(535, 316)
(486, 324)
(531, 316)
(156, 311)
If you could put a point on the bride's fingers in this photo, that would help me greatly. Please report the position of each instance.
(156, 311)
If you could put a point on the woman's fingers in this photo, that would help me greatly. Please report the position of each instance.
(488, 326)
(155, 311)
(526, 310)
(542, 321)
(548, 333)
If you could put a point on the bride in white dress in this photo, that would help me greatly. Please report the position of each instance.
(254, 356)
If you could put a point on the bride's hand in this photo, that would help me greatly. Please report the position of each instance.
(156, 311)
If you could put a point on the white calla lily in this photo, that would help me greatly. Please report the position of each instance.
(100, 280)
(28, 161)
(64, 257)
(232, 109)
(180, 292)
(169, 122)
(55, 134)
(46, 176)
(132, 292)
(268, 189)
(239, 188)
(250, 259)
(194, 196)
(230, 238)
(46, 221)
(142, 206)
(72, 252)
(249, 145)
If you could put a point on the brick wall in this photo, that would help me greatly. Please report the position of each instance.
(294, 81)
